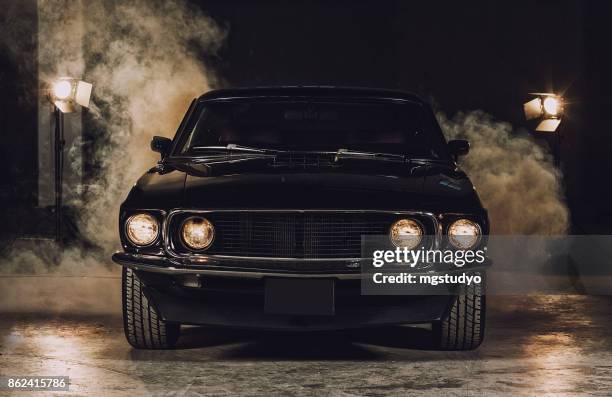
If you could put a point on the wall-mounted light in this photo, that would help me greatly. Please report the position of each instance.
(548, 108)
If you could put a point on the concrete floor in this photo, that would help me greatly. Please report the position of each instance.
(545, 345)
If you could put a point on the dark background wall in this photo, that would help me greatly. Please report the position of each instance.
(18, 90)
(460, 55)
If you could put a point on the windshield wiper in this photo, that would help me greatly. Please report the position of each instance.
(352, 154)
(232, 147)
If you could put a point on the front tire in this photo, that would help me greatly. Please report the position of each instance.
(143, 327)
(463, 327)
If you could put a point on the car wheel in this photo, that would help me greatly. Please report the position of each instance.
(143, 327)
(464, 325)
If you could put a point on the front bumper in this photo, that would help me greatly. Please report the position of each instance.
(216, 268)
(207, 294)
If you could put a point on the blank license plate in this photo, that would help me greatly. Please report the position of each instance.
(299, 296)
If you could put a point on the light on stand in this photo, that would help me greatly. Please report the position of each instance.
(547, 109)
(65, 94)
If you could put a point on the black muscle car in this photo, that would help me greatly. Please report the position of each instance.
(255, 214)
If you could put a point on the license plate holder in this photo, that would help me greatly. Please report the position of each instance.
(314, 297)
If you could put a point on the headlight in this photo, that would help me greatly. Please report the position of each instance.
(142, 229)
(197, 233)
(406, 233)
(463, 233)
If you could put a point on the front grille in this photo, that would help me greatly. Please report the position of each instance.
(293, 234)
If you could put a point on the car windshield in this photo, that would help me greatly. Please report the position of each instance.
(309, 125)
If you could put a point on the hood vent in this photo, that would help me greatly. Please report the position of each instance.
(305, 160)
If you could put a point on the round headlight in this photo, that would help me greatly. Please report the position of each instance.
(197, 233)
(463, 233)
(406, 233)
(142, 229)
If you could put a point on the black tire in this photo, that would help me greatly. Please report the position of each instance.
(141, 324)
(464, 326)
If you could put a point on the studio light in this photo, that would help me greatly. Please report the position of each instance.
(66, 93)
(546, 107)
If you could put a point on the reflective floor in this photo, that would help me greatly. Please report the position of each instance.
(545, 345)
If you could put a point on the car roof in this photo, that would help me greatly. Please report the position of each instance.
(311, 91)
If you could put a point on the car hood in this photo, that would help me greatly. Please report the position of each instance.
(253, 184)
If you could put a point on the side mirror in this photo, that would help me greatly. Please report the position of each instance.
(161, 145)
(459, 147)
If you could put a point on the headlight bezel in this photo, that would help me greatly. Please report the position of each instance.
(479, 235)
(126, 230)
(417, 223)
(181, 237)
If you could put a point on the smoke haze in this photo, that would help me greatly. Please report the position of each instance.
(514, 177)
(144, 58)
